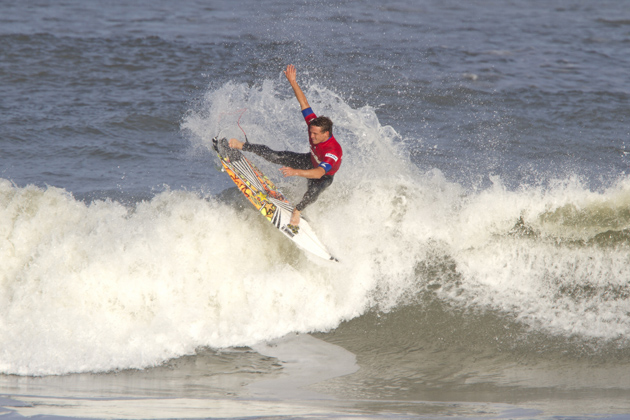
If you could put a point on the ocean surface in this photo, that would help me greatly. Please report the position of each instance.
(481, 215)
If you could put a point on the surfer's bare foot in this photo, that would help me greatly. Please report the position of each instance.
(235, 144)
(295, 217)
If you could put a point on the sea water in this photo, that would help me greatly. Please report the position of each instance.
(481, 215)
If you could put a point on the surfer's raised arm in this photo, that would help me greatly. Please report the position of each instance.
(291, 75)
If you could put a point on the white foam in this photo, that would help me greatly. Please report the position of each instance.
(94, 288)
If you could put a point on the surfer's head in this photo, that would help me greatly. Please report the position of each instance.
(320, 129)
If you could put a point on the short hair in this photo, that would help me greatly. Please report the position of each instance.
(324, 123)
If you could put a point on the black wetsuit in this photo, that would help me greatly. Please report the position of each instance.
(296, 161)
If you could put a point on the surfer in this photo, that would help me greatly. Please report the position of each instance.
(319, 166)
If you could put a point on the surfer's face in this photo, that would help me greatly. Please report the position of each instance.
(316, 134)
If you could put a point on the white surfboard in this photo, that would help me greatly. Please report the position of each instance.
(266, 197)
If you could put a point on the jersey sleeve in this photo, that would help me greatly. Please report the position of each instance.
(327, 166)
(330, 159)
(309, 115)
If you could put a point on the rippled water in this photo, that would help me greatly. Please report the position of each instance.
(481, 214)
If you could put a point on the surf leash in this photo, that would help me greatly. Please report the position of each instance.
(240, 113)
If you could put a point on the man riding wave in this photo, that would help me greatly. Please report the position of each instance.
(319, 166)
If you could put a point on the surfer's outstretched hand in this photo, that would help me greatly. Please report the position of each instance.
(291, 73)
(236, 144)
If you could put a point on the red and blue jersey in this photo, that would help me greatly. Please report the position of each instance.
(326, 154)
